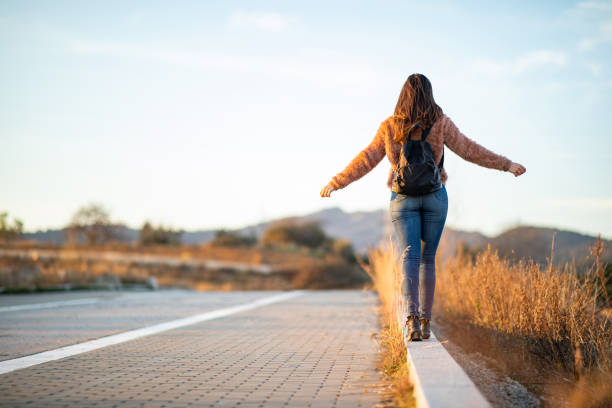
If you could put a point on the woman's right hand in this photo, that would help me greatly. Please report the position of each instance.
(517, 169)
(327, 190)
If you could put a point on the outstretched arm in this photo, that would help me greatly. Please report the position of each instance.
(365, 161)
(471, 151)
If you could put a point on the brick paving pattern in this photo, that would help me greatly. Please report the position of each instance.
(32, 331)
(314, 350)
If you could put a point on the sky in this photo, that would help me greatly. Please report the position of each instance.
(202, 114)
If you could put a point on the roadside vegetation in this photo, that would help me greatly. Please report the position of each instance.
(549, 327)
(97, 255)
(386, 276)
(9, 231)
(549, 322)
(158, 235)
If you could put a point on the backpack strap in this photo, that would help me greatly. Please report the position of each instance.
(425, 133)
(424, 136)
(414, 126)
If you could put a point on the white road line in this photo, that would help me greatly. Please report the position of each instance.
(46, 305)
(46, 356)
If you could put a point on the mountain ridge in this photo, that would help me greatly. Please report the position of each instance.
(368, 228)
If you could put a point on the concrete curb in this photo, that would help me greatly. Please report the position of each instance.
(437, 378)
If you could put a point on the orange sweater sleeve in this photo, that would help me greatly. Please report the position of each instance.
(365, 161)
(471, 151)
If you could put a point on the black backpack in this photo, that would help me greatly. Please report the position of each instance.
(417, 172)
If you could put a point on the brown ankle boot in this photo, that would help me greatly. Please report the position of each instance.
(412, 329)
(425, 327)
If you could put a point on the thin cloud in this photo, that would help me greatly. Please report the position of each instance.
(587, 44)
(259, 20)
(595, 5)
(539, 58)
(594, 68)
(338, 73)
(602, 37)
(594, 18)
(523, 63)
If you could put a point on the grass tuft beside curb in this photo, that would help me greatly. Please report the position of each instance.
(386, 277)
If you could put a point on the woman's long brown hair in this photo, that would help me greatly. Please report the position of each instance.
(415, 106)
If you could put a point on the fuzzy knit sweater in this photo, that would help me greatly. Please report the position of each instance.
(443, 132)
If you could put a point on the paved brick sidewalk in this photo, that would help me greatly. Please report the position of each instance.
(314, 350)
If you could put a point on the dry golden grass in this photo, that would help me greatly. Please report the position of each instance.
(559, 314)
(563, 313)
(555, 306)
(385, 273)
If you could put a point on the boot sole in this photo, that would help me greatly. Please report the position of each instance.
(415, 337)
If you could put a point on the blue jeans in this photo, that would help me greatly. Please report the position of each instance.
(415, 219)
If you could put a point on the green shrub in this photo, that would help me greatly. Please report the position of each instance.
(150, 235)
(334, 273)
(232, 239)
(344, 248)
(9, 232)
(290, 231)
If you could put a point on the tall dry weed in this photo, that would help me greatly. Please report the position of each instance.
(556, 309)
(552, 305)
(385, 272)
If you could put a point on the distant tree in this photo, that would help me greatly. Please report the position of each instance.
(290, 231)
(150, 235)
(224, 237)
(92, 223)
(10, 232)
(344, 248)
(334, 273)
(147, 234)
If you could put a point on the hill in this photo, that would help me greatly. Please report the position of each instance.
(368, 228)
(536, 242)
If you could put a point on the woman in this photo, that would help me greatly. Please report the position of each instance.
(422, 217)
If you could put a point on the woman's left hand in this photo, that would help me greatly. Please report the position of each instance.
(326, 191)
(517, 169)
